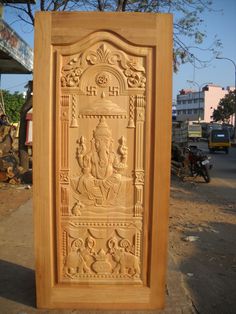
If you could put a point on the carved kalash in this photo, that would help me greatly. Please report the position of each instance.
(102, 116)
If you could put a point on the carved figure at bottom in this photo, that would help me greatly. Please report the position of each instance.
(78, 260)
(75, 263)
(126, 263)
(100, 258)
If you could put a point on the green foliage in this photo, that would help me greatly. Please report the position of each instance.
(225, 108)
(188, 18)
(13, 104)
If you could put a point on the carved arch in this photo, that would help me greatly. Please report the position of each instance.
(102, 36)
(93, 71)
(102, 48)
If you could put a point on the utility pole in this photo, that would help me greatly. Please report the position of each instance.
(2, 106)
(232, 61)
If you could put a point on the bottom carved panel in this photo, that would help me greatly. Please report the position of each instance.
(101, 251)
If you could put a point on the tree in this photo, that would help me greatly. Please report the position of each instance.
(226, 108)
(188, 18)
(13, 104)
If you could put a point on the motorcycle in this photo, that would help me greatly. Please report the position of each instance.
(199, 163)
(190, 161)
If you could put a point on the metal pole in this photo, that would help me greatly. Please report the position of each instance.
(234, 100)
(234, 92)
(199, 118)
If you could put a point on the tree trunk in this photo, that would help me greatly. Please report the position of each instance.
(23, 150)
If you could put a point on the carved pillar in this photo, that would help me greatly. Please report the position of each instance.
(138, 244)
(64, 171)
(74, 122)
(139, 171)
(131, 111)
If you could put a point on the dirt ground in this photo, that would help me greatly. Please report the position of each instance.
(201, 240)
(12, 197)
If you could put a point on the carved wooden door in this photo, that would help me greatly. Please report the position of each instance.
(101, 195)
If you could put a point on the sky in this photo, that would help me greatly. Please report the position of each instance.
(220, 72)
(221, 22)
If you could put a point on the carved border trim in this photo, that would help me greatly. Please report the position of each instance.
(96, 116)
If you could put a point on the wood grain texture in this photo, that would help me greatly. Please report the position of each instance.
(102, 134)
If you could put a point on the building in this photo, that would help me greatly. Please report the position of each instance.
(199, 105)
(16, 56)
(174, 111)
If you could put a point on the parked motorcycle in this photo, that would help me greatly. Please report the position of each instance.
(199, 163)
(190, 161)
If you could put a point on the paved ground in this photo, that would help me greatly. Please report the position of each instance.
(17, 286)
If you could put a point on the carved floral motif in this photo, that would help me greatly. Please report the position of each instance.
(64, 176)
(133, 71)
(71, 73)
(139, 177)
(135, 79)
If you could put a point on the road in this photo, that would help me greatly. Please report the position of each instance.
(223, 173)
(207, 212)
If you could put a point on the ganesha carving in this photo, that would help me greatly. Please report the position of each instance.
(101, 167)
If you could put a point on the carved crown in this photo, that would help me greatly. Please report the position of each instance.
(102, 129)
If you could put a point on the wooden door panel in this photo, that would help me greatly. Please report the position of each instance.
(106, 215)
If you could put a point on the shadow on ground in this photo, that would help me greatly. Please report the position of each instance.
(17, 283)
(204, 193)
(211, 272)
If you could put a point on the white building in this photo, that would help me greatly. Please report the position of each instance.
(199, 105)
